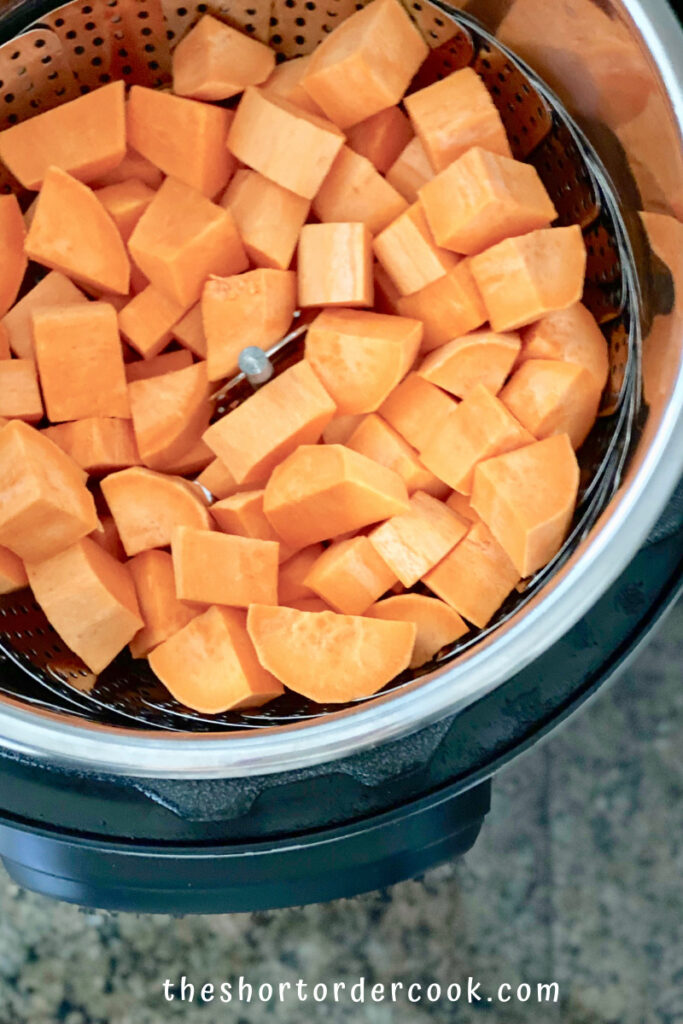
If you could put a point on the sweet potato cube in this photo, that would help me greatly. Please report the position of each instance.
(80, 361)
(219, 481)
(148, 506)
(133, 165)
(360, 357)
(72, 232)
(412, 542)
(53, 290)
(125, 202)
(12, 572)
(286, 144)
(268, 217)
(476, 577)
(19, 392)
(482, 357)
(85, 137)
(107, 536)
(454, 114)
(5, 352)
(335, 265)
(476, 429)
(437, 624)
(310, 604)
(381, 138)
(350, 576)
(167, 362)
(327, 657)
(146, 322)
(195, 459)
(243, 515)
(219, 568)
(340, 429)
(291, 580)
(89, 598)
(291, 409)
(44, 503)
(409, 254)
(97, 444)
(410, 170)
(482, 198)
(285, 82)
(571, 335)
(181, 239)
(550, 397)
(374, 438)
(190, 331)
(366, 63)
(255, 308)
(214, 61)
(416, 409)
(460, 503)
(184, 138)
(522, 279)
(527, 499)
(322, 491)
(162, 613)
(12, 256)
(448, 307)
(170, 414)
(210, 665)
(355, 191)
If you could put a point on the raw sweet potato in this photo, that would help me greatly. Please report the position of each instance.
(133, 165)
(285, 81)
(335, 265)
(167, 362)
(147, 321)
(482, 357)
(219, 481)
(210, 665)
(243, 515)
(12, 572)
(448, 307)
(194, 460)
(437, 624)
(97, 444)
(125, 202)
(354, 190)
(340, 429)
(350, 575)
(291, 586)
(416, 409)
(268, 217)
(412, 542)
(374, 438)
(410, 170)
(550, 397)
(148, 506)
(327, 657)
(170, 414)
(107, 536)
(409, 254)
(218, 568)
(162, 613)
(19, 392)
(53, 290)
(460, 503)
(214, 61)
(5, 352)
(381, 138)
(190, 332)
(571, 335)
(12, 256)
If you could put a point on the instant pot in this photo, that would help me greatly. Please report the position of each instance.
(111, 797)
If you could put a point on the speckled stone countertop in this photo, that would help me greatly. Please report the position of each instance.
(577, 877)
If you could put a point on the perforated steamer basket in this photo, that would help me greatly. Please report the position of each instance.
(125, 721)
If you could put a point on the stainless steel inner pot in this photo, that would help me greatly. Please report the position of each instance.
(614, 66)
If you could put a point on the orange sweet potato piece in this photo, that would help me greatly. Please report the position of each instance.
(360, 357)
(167, 362)
(219, 481)
(19, 391)
(182, 238)
(255, 308)
(193, 461)
(148, 506)
(571, 335)
(290, 410)
(85, 137)
(327, 657)
(335, 265)
(147, 321)
(268, 217)
(550, 397)
(375, 439)
(416, 409)
(482, 198)
(410, 170)
(72, 232)
(527, 499)
(80, 361)
(190, 332)
(436, 623)
(448, 307)
(354, 190)
(12, 572)
(460, 503)
(476, 577)
(89, 598)
(476, 429)
(381, 138)
(412, 542)
(291, 586)
(107, 536)
(53, 290)
(366, 63)
(286, 144)
(125, 202)
(482, 357)
(243, 515)
(184, 138)
(133, 165)
(285, 82)
(219, 568)
(409, 254)
(170, 414)
(210, 665)
(350, 576)
(214, 61)
(521, 279)
(322, 491)
(340, 429)
(310, 604)
(454, 114)
(5, 352)
(12, 256)
(162, 613)
(97, 444)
